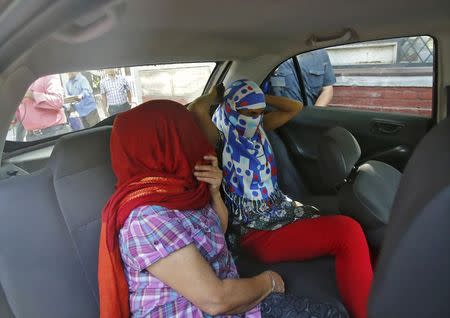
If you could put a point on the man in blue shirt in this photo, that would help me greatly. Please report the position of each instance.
(80, 91)
(318, 78)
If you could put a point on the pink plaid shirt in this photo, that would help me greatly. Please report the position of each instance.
(151, 233)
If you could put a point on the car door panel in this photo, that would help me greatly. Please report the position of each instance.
(387, 137)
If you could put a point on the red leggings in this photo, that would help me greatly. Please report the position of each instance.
(339, 236)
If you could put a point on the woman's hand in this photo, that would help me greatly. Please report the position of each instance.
(210, 174)
(215, 96)
(276, 282)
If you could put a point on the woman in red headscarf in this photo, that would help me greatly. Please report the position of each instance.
(162, 248)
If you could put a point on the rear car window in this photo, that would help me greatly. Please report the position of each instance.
(393, 75)
(61, 103)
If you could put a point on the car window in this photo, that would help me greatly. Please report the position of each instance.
(60, 103)
(394, 75)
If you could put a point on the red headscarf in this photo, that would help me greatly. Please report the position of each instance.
(154, 148)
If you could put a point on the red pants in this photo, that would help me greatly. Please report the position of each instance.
(339, 236)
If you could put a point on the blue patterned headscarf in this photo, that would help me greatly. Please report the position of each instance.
(248, 162)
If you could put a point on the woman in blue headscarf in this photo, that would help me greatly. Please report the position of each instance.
(272, 227)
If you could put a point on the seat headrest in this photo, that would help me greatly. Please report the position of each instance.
(413, 273)
(338, 153)
(80, 151)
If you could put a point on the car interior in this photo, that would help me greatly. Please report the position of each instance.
(387, 169)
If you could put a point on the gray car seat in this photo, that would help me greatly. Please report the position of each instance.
(50, 229)
(365, 192)
(291, 182)
(412, 278)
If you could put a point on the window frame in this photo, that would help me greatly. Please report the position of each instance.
(434, 106)
(12, 146)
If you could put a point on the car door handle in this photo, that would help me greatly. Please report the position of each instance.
(386, 127)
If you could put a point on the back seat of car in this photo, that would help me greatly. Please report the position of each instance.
(291, 182)
(50, 229)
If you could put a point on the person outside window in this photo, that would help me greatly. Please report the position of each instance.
(80, 96)
(41, 113)
(116, 93)
(318, 79)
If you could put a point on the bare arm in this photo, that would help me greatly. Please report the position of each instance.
(221, 210)
(127, 87)
(105, 105)
(325, 96)
(212, 175)
(189, 274)
(200, 108)
(286, 110)
(129, 96)
(104, 100)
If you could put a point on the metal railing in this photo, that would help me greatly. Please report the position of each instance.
(415, 50)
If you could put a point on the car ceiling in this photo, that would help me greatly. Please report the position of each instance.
(170, 30)
(40, 37)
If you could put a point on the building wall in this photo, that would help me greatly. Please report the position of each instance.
(408, 100)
